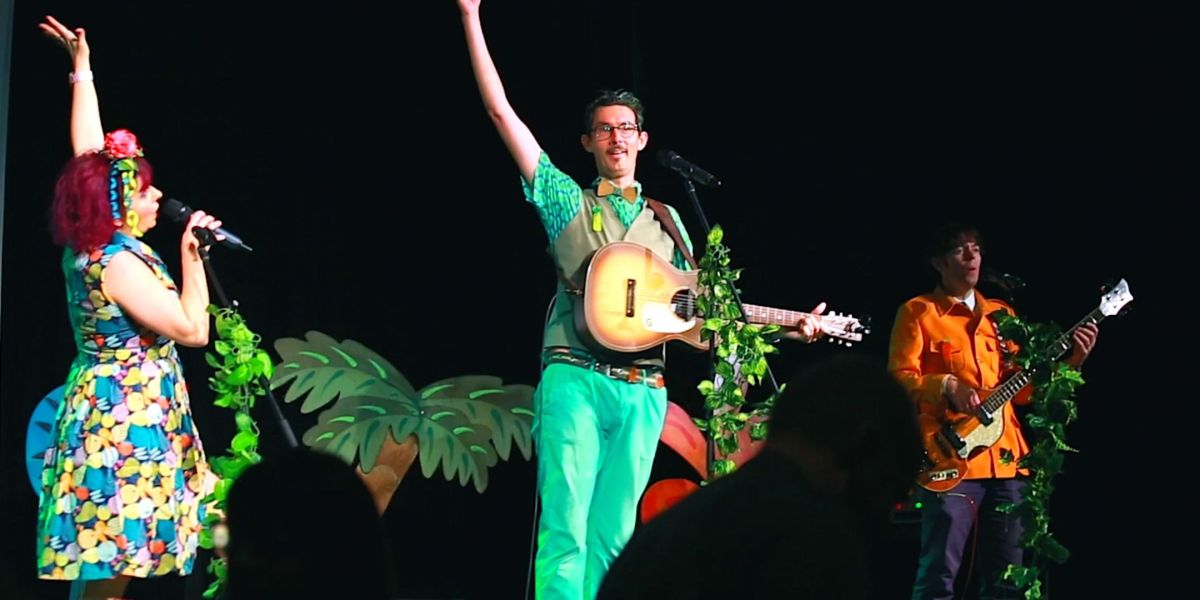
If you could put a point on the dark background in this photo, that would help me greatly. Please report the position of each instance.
(347, 143)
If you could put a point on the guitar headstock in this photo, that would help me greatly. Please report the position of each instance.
(844, 329)
(1115, 299)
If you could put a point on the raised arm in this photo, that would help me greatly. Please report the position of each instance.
(87, 134)
(521, 144)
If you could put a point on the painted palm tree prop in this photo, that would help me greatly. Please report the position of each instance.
(378, 421)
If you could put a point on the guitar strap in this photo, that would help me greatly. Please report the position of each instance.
(668, 222)
(568, 285)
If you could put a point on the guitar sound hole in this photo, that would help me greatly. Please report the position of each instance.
(684, 302)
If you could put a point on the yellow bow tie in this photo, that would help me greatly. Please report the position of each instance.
(606, 188)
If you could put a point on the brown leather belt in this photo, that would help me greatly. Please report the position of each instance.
(651, 376)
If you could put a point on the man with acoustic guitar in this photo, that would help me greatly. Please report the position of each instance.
(599, 414)
(945, 351)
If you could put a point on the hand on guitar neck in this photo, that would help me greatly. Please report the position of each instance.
(1083, 340)
(808, 328)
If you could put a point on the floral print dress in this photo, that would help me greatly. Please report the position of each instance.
(123, 476)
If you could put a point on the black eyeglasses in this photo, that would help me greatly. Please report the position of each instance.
(604, 131)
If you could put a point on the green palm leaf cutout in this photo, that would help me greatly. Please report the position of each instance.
(357, 425)
(485, 400)
(325, 369)
(464, 425)
(447, 438)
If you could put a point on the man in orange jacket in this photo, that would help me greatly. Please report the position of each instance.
(944, 350)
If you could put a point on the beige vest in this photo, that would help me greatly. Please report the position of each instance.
(572, 252)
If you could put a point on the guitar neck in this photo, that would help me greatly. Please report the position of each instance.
(1009, 389)
(766, 315)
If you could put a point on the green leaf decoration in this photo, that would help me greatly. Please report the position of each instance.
(463, 425)
(485, 400)
(355, 428)
(323, 369)
(466, 454)
(1053, 407)
(715, 235)
(724, 467)
(734, 340)
(240, 373)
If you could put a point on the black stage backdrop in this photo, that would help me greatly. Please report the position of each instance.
(346, 142)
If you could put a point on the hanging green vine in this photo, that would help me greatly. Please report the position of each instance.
(242, 371)
(1053, 407)
(733, 338)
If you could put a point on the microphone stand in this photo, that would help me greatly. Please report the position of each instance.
(207, 239)
(1007, 285)
(710, 446)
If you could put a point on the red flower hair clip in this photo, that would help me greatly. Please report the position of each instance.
(121, 144)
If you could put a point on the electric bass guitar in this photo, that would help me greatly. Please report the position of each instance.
(950, 441)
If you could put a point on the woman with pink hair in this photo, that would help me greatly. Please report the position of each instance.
(125, 471)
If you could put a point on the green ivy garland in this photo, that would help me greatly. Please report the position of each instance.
(242, 371)
(733, 338)
(1053, 408)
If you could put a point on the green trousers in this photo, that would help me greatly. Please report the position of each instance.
(596, 438)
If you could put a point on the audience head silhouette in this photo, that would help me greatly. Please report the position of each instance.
(303, 525)
(851, 423)
(791, 522)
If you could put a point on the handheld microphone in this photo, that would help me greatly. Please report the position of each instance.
(180, 213)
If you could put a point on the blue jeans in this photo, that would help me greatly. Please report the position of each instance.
(946, 523)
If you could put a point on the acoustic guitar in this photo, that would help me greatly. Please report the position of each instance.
(634, 300)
